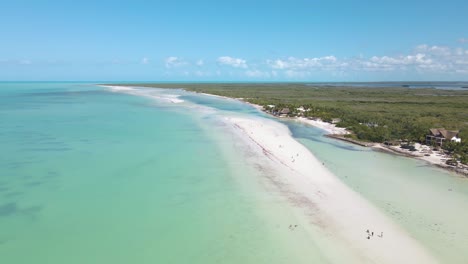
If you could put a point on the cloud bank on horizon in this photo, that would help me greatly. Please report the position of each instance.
(207, 40)
(425, 60)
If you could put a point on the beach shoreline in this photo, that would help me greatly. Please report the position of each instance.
(332, 207)
(434, 159)
(326, 205)
(338, 133)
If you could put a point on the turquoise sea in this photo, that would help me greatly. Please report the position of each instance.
(91, 175)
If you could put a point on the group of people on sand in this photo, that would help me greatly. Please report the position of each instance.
(292, 157)
(371, 234)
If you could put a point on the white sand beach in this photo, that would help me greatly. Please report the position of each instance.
(426, 153)
(328, 127)
(423, 152)
(329, 206)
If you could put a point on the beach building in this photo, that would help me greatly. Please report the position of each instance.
(437, 136)
(300, 109)
(336, 120)
(284, 111)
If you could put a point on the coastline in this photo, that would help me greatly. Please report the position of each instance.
(434, 159)
(332, 208)
(324, 205)
(338, 133)
(331, 129)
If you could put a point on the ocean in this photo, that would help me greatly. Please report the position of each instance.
(90, 174)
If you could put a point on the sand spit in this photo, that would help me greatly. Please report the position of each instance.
(330, 206)
(170, 98)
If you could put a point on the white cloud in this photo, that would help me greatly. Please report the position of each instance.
(392, 63)
(278, 64)
(172, 62)
(234, 62)
(436, 50)
(424, 59)
(304, 63)
(145, 60)
(463, 40)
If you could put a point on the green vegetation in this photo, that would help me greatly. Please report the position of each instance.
(372, 114)
(458, 150)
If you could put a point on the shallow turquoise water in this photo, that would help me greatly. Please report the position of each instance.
(93, 176)
(426, 201)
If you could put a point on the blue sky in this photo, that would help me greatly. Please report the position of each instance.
(234, 41)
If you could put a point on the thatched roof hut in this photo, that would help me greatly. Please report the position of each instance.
(443, 133)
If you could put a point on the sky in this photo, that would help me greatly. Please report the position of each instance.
(321, 41)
